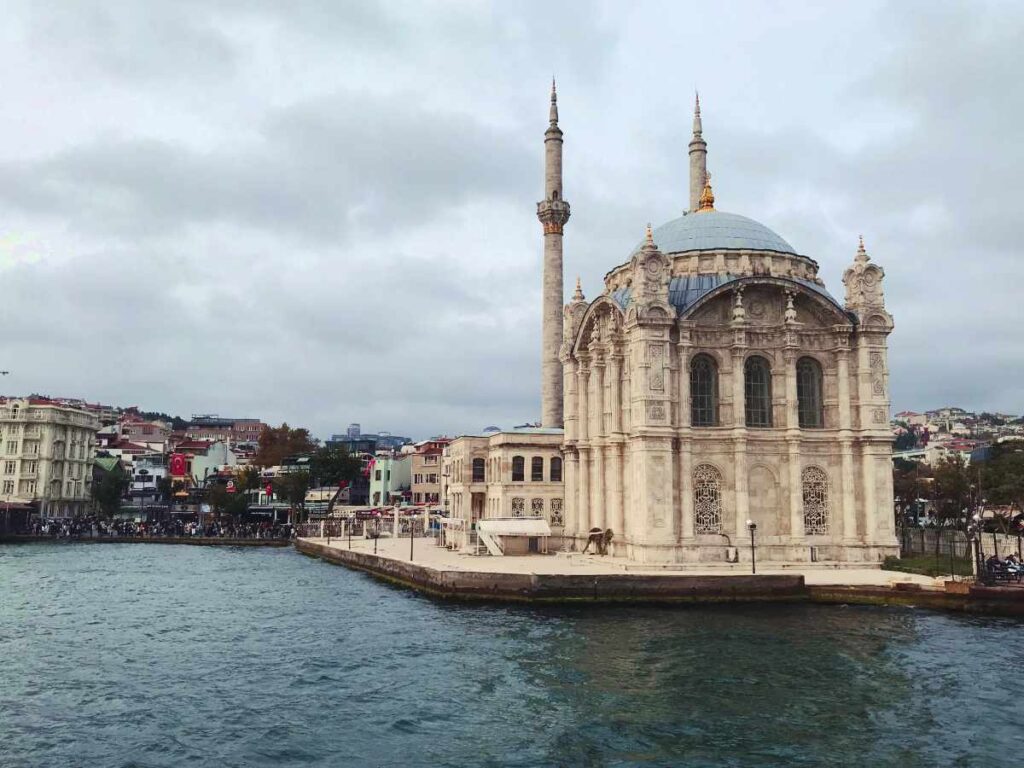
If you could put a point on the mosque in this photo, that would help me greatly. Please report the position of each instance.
(714, 384)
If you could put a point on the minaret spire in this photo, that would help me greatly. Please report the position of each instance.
(553, 213)
(698, 158)
(553, 114)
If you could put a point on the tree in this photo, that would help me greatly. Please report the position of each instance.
(292, 487)
(908, 482)
(951, 491)
(109, 488)
(278, 443)
(1002, 476)
(164, 487)
(224, 502)
(334, 466)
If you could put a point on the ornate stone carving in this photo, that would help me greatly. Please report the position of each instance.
(659, 480)
(877, 373)
(707, 499)
(878, 416)
(557, 519)
(816, 507)
(655, 412)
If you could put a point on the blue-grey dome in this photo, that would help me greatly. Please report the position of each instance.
(716, 230)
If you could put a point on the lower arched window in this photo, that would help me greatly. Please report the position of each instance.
(757, 385)
(815, 492)
(707, 499)
(478, 470)
(703, 391)
(518, 469)
(808, 393)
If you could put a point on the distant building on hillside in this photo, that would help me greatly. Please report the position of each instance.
(212, 427)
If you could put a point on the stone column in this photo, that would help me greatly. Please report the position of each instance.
(617, 519)
(583, 396)
(584, 493)
(686, 490)
(796, 495)
(615, 374)
(870, 511)
(569, 382)
(571, 503)
(848, 499)
(794, 460)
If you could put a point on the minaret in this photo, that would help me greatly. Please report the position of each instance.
(698, 159)
(553, 212)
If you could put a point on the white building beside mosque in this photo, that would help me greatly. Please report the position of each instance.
(715, 381)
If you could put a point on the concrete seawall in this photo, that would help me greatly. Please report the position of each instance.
(547, 587)
(514, 585)
(198, 541)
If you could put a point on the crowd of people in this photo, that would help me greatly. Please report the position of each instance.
(1009, 568)
(91, 527)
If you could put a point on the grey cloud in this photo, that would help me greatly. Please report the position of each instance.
(334, 222)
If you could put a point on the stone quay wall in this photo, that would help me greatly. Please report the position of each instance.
(530, 587)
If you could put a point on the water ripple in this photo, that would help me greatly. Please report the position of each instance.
(134, 655)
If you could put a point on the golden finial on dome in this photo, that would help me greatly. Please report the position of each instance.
(650, 235)
(707, 197)
(578, 295)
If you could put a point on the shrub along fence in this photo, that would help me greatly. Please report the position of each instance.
(946, 541)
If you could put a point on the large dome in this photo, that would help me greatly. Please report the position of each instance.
(714, 231)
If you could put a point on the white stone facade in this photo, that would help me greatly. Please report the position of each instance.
(788, 427)
(519, 473)
(46, 453)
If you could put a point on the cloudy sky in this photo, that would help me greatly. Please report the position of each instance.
(324, 212)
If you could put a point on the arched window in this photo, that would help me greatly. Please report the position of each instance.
(537, 469)
(703, 391)
(707, 499)
(757, 385)
(556, 470)
(478, 470)
(808, 393)
(518, 469)
(815, 486)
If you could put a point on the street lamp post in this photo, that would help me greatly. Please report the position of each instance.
(753, 557)
(412, 536)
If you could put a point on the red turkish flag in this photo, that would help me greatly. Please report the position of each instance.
(178, 465)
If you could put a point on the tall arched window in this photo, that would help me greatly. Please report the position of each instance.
(815, 487)
(707, 499)
(518, 469)
(703, 391)
(757, 385)
(537, 469)
(808, 393)
(478, 470)
(556, 470)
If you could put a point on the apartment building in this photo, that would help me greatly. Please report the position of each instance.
(46, 456)
(426, 471)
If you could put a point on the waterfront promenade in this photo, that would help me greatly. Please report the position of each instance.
(575, 578)
(429, 556)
